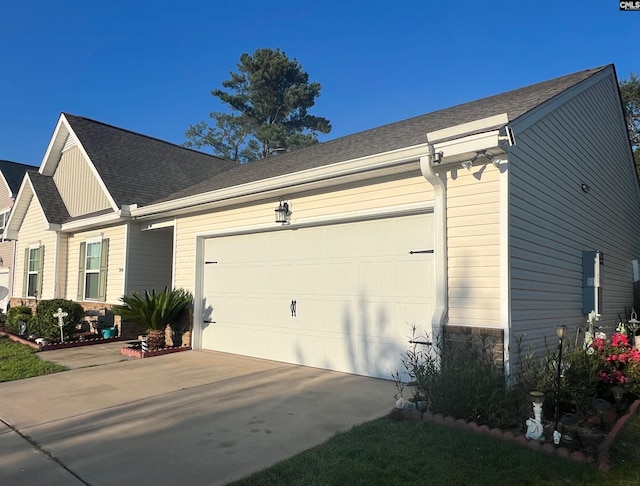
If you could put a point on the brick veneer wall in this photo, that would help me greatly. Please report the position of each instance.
(477, 336)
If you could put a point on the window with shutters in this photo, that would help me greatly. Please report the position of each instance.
(92, 271)
(33, 263)
(33, 271)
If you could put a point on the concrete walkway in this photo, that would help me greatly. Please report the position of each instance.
(196, 417)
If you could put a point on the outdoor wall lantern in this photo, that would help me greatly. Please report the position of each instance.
(283, 212)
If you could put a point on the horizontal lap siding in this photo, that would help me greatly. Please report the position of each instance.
(552, 220)
(78, 186)
(115, 268)
(473, 240)
(369, 195)
(33, 232)
(150, 259)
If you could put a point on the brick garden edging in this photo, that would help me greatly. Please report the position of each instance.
(603, 460)
(137, 352)
(54, 346)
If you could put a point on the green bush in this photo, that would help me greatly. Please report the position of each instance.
(463, 379)
(154, 310)
(16, 314)
(43, 324)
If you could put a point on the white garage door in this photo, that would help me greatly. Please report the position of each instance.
(341, 297)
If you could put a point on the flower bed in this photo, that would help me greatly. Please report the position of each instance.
(598, 454)
(75, 343)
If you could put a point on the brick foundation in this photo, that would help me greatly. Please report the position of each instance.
(464, 336)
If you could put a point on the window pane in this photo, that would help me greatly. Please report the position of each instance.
(91, 285)
(34, 259)
(93, 256)
(31, 285)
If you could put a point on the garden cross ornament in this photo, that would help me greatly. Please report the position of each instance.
(61, 315)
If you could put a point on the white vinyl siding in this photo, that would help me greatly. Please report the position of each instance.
(34, 232)
(150, 259)
(78, 186)
(552, 220)
(115, 262)
(473, 240)
(381, 193)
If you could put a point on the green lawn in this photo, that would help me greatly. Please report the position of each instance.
(18, 361)
(392, 452)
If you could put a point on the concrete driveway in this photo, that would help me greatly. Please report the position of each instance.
(196, 418)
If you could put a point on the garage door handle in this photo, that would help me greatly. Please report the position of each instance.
(293, 308)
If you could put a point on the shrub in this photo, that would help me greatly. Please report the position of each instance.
(154, 310)
(45, 325)
(16, 314)
(462, 379)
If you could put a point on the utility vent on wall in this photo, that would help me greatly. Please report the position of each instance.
(69, 143)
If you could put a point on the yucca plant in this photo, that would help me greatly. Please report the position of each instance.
(154, 311)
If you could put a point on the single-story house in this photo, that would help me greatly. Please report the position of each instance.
(11, 175)
(510, 214)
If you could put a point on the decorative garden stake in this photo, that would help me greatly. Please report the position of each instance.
(61, 315)
(634, 324)
(560, 332)
(534, 425)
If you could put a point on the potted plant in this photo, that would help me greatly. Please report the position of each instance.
(154, 311)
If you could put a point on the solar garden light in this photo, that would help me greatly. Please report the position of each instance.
(561, 331)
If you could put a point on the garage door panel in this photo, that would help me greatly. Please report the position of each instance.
(357, 289)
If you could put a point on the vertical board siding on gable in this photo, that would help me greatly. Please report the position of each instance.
(115, 269)
(33, 231)
(380, 193)
(150, 259)
(78, 186)
(473, 240)
(552, 220)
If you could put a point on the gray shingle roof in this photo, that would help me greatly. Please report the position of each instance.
(54, 209)
(141, 169)
(394, 136)
(13, 173)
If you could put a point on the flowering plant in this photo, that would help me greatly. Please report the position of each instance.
(619, 361)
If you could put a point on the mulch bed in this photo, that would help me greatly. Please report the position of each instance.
(73, 343)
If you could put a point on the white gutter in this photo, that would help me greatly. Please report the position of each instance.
(445, 149)
(252, 190)
(441, 264)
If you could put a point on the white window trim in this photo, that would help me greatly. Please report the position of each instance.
(89, 241)
(36, 246)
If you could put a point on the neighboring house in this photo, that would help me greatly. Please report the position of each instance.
(485, 216)
(11, 175)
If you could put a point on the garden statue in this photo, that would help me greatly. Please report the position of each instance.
(22, 328)
(61, 315)
(534, 429)
(534, 425)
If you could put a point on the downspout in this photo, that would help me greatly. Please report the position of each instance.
(441, 310)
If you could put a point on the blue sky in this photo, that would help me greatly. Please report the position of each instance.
(149, 65)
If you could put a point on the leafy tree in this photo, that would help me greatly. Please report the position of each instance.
(630, 92)
(269, 98)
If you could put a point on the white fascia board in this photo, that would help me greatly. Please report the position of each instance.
(329, 174)
(460, 149)
(49, 161)
(482, 125)
(95, 221)
(166, 223)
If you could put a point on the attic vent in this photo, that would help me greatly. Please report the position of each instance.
(69, 143)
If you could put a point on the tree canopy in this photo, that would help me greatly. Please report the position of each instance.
(269, 98)
(630, 93)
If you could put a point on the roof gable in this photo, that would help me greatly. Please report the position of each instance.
(13, 173)
(137, 169)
